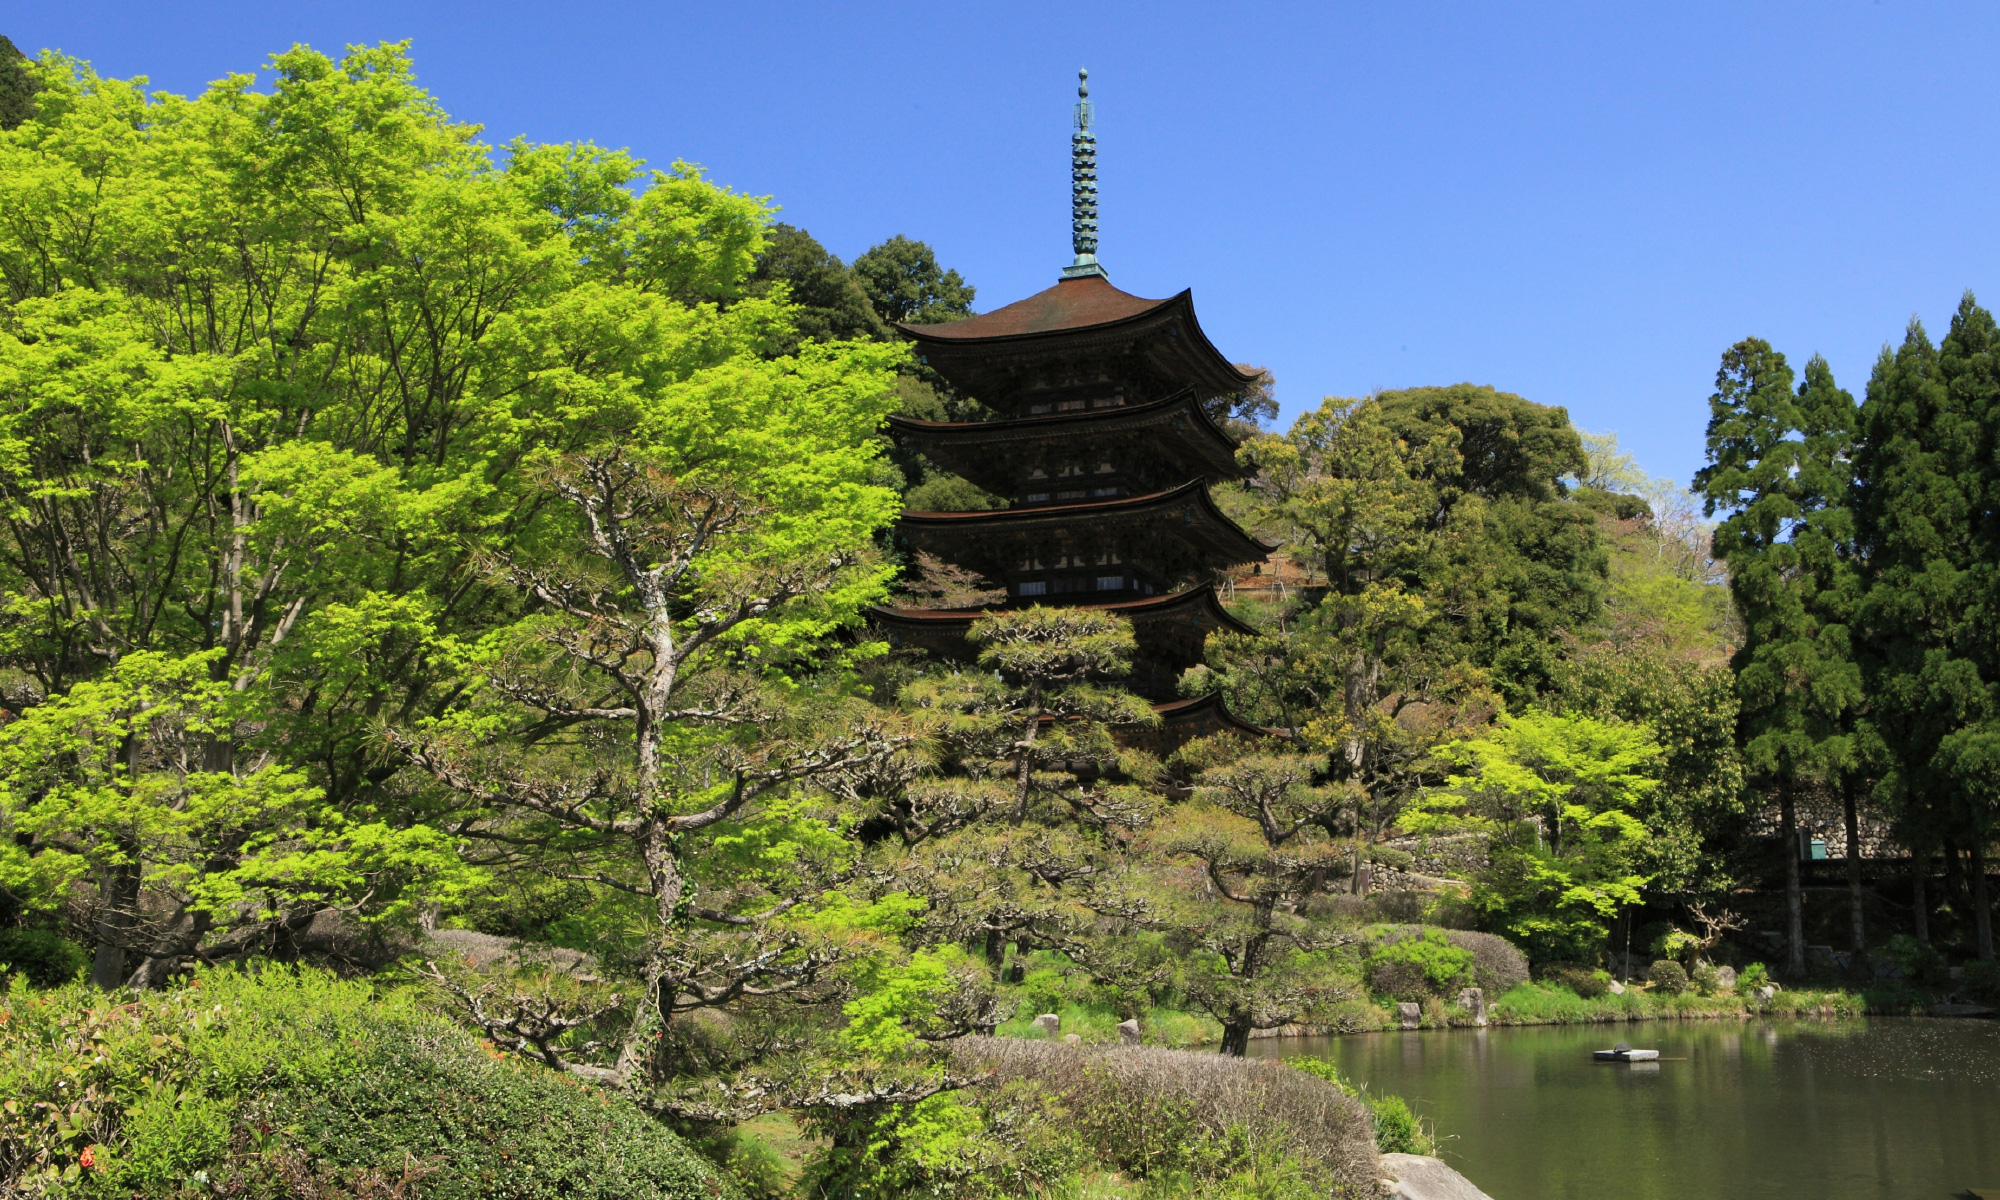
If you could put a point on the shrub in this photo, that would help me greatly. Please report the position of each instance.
(1982, 982)
(1497, 964)
(1707, 980)
(1412, 967)
(1920, 962)
(1587, 982)
(1397, 1130)
(1152, 1113)
(1668, 976)
(45, 959)
(361, 1091)
(1752, 977)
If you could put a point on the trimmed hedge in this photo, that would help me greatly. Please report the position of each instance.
(295, 1085)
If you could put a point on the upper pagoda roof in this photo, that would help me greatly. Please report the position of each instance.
(994, 355)
(1084, 303)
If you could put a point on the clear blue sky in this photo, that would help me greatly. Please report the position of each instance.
(1581, 203)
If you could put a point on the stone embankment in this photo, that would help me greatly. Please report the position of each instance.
(1418, 1177)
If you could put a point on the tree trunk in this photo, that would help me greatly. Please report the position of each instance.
(1236, 1035)
(1955, 891)
(183, 934)
(1023, 775)
(1795, 901)
(1920, 904)
(1854, 870)
(1982, 909)
(117, 910)
(996, 949)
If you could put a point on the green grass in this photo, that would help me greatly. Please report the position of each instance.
(1541, 1004)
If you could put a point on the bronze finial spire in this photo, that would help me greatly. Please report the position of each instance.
(1083, 187)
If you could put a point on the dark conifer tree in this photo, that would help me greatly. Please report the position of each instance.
(17, 86)
(1924, 496)
(1777, 467)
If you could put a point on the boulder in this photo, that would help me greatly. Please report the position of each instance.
(1617, 988)
(1128, 1032)
(1410, 1015)
(1420, 1177)
(1765, 993)
(1473, 1000)
(1049, 1023)
(1725, 978)
(1074, 1039)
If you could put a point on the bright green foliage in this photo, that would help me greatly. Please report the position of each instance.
(1409, 968)
(108, 778)
(911, 1001)
(1693, 816)
(1558, 794)
(305, 391)
(904, 283)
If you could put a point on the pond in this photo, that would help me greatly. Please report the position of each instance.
(1883, 1109)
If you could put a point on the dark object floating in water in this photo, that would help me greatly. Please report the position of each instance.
(1624, 1053)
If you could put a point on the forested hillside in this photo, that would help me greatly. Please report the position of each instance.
(438, 682)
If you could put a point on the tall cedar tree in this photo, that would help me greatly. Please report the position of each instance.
(1925, 501)
(1778, 465)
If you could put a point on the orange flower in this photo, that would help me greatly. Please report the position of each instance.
(88, 1158)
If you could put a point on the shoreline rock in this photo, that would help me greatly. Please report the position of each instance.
(1420, 1177)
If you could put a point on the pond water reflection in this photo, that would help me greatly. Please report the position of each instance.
(1884, 1109)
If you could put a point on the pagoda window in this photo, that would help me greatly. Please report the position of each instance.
(1063, 586)
(1110, 583)
(1070, 405)
(1035, 498)
(1105, 491)
(1032, 589)
(1075, 495)
(1036, 410)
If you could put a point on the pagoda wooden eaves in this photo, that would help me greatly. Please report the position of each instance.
(1187, 531)
(1183, 441)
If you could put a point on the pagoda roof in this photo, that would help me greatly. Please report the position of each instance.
(992, 355)
(978, 449)
(1199, 600)
(1204, 529)
(1071, 304)
(1202, 715)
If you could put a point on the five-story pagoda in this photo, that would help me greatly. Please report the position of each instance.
(1106, 444)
